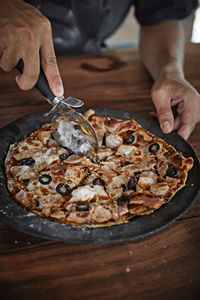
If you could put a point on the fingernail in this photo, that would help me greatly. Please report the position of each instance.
(59, 91)
(166, 127)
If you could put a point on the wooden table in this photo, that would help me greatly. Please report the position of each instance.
(165, 265)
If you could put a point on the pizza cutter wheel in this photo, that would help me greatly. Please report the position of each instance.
(69, 128)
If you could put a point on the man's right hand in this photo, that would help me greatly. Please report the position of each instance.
(26, 34)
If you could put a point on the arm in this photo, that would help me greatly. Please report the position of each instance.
(25, 33)
(162, 52)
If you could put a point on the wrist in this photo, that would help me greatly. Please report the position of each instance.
(172, 67)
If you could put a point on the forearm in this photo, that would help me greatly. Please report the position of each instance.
(162, 48)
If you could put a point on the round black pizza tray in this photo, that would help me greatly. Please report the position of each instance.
(17, 217)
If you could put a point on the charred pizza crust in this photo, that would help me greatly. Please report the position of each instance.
(133, 174)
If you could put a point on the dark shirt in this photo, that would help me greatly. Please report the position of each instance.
(81, 26)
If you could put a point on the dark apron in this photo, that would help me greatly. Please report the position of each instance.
(81, 26)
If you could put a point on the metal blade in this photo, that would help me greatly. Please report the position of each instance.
(73, 102)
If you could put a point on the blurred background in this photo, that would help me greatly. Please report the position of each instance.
(127, 35)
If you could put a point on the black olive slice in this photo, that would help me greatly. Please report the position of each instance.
(63, 156)
(82, 206)
(172, 172)
(129, 137)
(27, 161)
(63, 189)
(132, 183)
(70, 152)
(104, 140)
(123, 200)
(126, 163)
(77, 126)
(154, 148)
(98, 181)
(45, 179)
(123, 187)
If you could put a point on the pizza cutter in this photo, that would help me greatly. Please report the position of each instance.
(69, 128)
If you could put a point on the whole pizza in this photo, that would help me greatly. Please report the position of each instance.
(133, 173)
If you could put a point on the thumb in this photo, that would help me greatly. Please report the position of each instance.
(164, 112)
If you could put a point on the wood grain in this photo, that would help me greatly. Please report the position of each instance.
(165, 265)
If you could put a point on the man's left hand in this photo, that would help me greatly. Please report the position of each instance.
(169, 91)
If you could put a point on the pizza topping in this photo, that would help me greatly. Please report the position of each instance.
(128, 137)
(125, 150)
(64, 156)
(63, 189)
(100, 192)
(73, 159)
(154, 148)
(82, 206)
(159, 189)
(100, 214)
(27, 161)
(147, 179)
(113, 141)
(132, 183)
(45, 179)
(104, 152)
(172, 172)
(58, 214)
(98, 181)
(123, 187)
(83, 193)
(161, 167)
(123, 200)
(133, 173)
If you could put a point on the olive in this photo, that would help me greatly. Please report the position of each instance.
(70, 152)
(130, 138)
(82, 206)
(63, 156)
(132, 183)
(172, 172)
(126, 163)
(27, 161)
(123, 187)
(98, 181)
(45, 179)
(104, 140)
(123, 200)
(77, 127)
(63, 189)
(154, 148)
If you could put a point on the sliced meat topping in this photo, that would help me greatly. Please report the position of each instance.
(100, 214)
(126, 150)
(113, 141)
(159, 189)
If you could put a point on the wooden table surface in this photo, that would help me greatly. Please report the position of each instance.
(165, 265)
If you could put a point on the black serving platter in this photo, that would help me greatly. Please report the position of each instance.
(17, 217)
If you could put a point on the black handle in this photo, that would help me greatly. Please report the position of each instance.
(42, 84)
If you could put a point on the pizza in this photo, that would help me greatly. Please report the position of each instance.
(133, 173)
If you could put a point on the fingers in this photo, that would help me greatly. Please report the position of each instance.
(177, 122)
(49, 65)
(164, 111)
(30, 72)
(26, 34)
(8, 59)
(186, 130)
(188, 118)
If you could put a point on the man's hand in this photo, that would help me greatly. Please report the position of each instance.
(170, 91)
(26, 34)
(162, 52)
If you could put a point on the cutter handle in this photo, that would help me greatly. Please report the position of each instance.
(41, 85)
